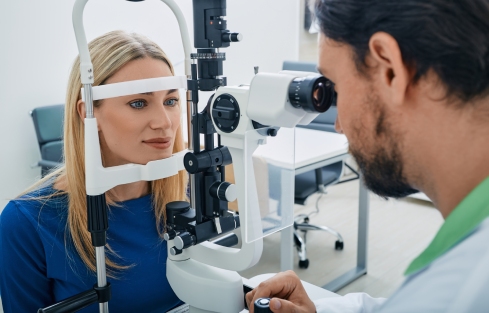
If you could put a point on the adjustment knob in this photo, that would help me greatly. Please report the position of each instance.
(225, 113)
(184, 240)
(224, 191)
(232, 37)
(175, 251)
(169, 235)
(262, 305)
(175, 208)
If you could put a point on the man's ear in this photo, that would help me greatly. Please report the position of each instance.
(394, 74)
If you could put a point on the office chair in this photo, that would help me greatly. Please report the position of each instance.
(314, 181)
(48, 123)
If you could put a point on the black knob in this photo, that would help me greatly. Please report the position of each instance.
(225, 113)
(262, 305)
(223, 191)
(231, 37)
(169, 235)
(272, 132)
(184, 240)
(175, 251)
(174, 208)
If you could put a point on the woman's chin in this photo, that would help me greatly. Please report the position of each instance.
(161, 155)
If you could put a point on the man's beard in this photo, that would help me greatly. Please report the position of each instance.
(381, 165)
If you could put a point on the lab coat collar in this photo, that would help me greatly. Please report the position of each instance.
(473, 209)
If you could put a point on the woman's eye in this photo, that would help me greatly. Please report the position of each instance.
(138, 104)
(171, 102)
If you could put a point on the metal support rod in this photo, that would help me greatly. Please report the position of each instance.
(195, 110)
(192, 108)
(101, 275)
(190, 143)
(363, 217)
(88, 100)
(362, 247)
(221, 168)
(209, 142)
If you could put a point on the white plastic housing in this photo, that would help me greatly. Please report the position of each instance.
(206, 287)
(231, 258)
(269, 102)
(100, 179)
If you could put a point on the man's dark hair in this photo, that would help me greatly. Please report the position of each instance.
(449, 36)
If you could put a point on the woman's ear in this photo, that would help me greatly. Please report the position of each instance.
(80, 108)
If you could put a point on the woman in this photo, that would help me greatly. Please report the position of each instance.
(45, 247)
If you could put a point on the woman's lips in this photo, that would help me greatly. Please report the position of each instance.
(158, 143)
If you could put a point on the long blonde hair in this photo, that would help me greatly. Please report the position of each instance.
(109, 53)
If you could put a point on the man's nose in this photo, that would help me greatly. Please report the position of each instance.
(337, 126)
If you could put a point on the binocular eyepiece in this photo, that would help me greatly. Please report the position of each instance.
(313, 94)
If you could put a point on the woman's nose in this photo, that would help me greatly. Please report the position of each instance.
(337, 126)
(160, 118)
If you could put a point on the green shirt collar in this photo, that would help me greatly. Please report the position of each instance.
(473, 209)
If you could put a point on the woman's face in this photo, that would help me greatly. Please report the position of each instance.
(138, 128)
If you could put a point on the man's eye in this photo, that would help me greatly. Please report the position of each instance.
(138, 104)
(171, 102)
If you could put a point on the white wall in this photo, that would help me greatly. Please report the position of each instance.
(37, 47)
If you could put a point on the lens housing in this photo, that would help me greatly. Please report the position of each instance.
(312, 93)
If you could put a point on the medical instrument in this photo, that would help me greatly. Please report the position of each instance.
(201, 273)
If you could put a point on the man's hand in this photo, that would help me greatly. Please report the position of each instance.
(287, 292)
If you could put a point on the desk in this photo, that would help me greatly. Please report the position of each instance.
(314, 292)
(315, 149)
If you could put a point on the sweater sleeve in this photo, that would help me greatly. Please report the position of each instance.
(24, 285)
(350, 303)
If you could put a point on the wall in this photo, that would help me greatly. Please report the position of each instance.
(37, 48)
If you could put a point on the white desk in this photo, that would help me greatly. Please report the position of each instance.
(315, 149)
(314, 292)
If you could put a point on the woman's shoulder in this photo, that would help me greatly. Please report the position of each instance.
(42, 201)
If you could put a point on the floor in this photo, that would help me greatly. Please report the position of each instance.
(398, 231)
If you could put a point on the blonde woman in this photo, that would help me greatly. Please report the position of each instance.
(46, 251)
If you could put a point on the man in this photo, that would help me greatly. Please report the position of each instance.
(412, 78)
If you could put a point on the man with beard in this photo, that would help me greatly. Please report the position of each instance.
(412, 79)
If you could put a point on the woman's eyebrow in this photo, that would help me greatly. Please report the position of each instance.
(151, 93)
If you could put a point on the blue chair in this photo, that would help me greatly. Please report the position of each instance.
(317, 180)
(48, 123)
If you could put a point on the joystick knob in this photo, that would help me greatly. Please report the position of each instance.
(262, 305)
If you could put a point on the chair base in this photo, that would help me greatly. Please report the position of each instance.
(300, 241)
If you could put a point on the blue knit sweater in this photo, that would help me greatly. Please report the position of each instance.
(37, 269)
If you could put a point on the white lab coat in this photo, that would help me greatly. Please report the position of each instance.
(456, 282)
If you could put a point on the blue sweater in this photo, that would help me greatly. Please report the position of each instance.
(37, 270)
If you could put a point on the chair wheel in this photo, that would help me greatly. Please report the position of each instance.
(304, 264)
(338, 245)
